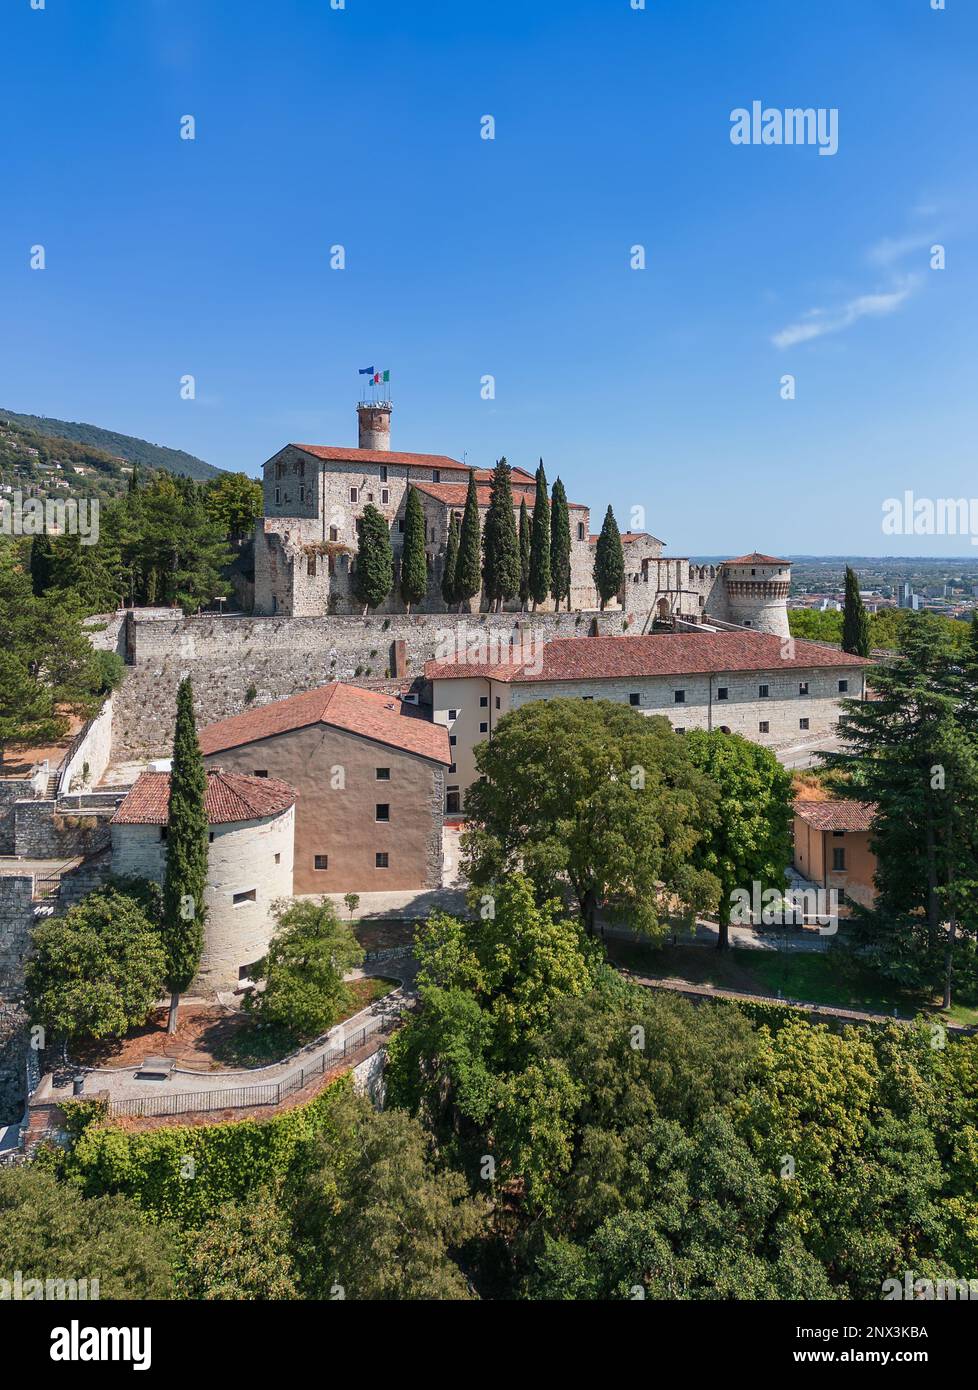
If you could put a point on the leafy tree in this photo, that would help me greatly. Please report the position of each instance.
(310, 952)
(378, 1218)
(468, 571)
(97, 971)
(242, 1253)
(352, 901)
(595, 794)
(178, 542)
(855, 619)
(560, 546)
(540, 541)
(451, 563)
(524, 554)
(373, 576)
(185, 877)
(609, 560)
(234, 502)
(27, 711)
(749, 839)
(500, 544)
(414, 560)
(111, 671)
(49, 1231)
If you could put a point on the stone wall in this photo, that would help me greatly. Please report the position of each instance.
(14, 1042)
(44, 829)
(90, 756)
(17, 908)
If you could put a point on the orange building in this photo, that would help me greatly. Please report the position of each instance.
(832, 847)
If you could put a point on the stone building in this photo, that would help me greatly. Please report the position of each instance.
(370, 774)
(249, 862)
(305, 544)
(755, 684)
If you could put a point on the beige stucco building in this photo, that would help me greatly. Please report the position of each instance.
(251, 824)
(832, 847)
(370, 775)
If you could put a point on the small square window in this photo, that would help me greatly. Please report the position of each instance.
(802, 687)
(679, 697)
(321, 861)
(764, 727)
(248, 895)
(843, 687)
(381, 860)
(383, 811)
(383, 774)
(722, 692)
(634, 699)
(763, 691)
(483, 728)
(803, 723)
(483, 701)
(453, 714)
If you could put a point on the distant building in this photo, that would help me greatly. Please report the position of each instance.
(831, 841)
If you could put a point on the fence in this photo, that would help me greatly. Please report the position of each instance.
(263, 1093)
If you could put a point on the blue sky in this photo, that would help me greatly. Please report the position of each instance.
(466, 257)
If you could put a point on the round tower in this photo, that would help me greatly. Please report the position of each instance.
(374, 419)
(757, 587)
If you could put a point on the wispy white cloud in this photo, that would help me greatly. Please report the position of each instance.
(892, 249)
(817, 322)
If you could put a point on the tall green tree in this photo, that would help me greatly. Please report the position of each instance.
(500, 543)
(310, 952)
(609, 560)
(234, 501)
(448, 575)
(186, 855)
(855, 619)
(560, 546)
(373, 575)
(468, 571)
(525, 545)
(540, 541)
(414, 559)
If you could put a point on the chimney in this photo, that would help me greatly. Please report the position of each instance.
(374, 419)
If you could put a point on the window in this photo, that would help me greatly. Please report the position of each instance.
(311, 566)
(763, 691)
(483, 728)
(580, 530)
(334, 534)
(383, 810)
(838, 859)
(764, 727)
(354, 494)
(370, 497)
(452, 739)
(247, 895)
(302, 494)
(587, 697)
(436, 475)
(278, 859)
(320, 861)
(260, 772)
(385, 496)
(679, 697)
(381, 860)
(722, 692)
(747, 622)
(163, 830)
(634, 699)
(497, 702)
(843, 687)
(453, 714)
(400, 527)
(803, 723)
(452, 767)
(383, 774)
(383, 473)
(802, 687)
(483, 701)
(210, 837)
(453, 802)
(278, 496)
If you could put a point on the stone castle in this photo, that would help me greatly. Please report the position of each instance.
(306, 542)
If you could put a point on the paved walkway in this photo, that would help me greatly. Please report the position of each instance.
(751, 938)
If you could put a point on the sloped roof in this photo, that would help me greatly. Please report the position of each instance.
(340, 454)
(454, 494)
(369, 713)
(662, 654)
(756, 558)
(628, 537)
(230, 796)
(837, 815)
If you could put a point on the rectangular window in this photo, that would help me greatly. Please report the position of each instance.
(278, 496)
(802, 687)
(679, 697)
(210, 837)
(580, 530)
(452, 767)
(452, 740)
(722, 692)
(383, 811)
(483, 701)
(680, 731)
(334, 534)
(634, 699)
(497, 702)
(380, 860)
(383, 473)
(400, 527)
(320, 861)
(763, 691)
(385, 496)
(843, 687)
(483, 728)
(803, 723)
(278, 859)
(354, 494)
(260, 772)
(838, 859)
(764, 727)
(383, 774)
(248, 895)
(436, 475)
(453, 714)
(311, 566)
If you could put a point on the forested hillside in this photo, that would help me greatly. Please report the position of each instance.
(122, 446)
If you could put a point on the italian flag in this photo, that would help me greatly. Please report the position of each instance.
(380, 377)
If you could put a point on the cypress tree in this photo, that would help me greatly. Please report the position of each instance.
(524, 554)
(451, 563)
(468, 574)
(609, 560)
(42, 564)
(373, 577)
(186, 856)
(540, 542)
(500, 543)
(855, 619)
(414, 561)
(559, 546)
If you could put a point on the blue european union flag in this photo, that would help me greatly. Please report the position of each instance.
(366, 371)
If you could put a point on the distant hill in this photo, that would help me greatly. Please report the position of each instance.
(125, 446)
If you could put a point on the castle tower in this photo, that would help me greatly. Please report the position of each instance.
(374, 419)
(756, 588)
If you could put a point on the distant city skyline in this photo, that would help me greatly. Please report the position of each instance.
(467, 258)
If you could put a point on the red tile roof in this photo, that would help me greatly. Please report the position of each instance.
(837, 815)
(755, 558)
(454, 494)
(230, 796)
(517, 476)
(369, 713)
(663, 654)
(338, 454)
(627, 537)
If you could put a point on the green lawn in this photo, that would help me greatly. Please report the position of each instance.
(828, 978)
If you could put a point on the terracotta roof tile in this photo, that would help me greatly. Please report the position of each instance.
(339, 454)
(663, 654)
(755, 558)
(837, 815)
(454, 494)
(230, 796)
(369, 713)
